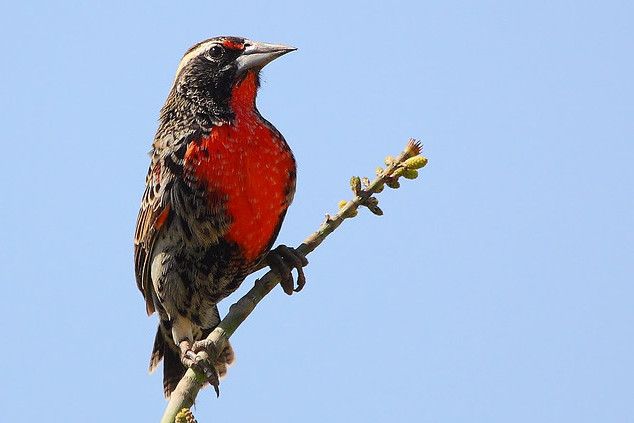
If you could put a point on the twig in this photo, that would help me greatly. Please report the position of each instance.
(404, 165)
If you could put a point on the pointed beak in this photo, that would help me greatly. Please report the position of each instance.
(257, 55)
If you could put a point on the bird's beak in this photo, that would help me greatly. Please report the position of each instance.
(257, 55)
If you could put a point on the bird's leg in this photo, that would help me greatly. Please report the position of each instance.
(191, 359)
(282, 260)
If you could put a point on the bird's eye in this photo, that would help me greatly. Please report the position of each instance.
(216, 51)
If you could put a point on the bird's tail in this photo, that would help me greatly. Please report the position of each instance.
(173, 369)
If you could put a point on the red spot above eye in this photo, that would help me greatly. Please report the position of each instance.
(233, 45)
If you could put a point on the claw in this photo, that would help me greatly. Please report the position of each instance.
(191, 359)
(278, 265)
(282, 260)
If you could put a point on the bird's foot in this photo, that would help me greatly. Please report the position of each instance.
(191, 359)
(282, 260)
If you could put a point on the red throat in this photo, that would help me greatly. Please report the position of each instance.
(243, 95)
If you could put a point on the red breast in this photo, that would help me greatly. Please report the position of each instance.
(251, 164)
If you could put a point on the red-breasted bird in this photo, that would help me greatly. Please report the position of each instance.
(220, 181)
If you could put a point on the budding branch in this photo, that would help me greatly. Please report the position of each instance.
(405, 164)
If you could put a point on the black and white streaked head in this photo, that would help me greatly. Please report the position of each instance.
(210, 69)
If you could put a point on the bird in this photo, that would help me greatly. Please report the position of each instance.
(219, 184)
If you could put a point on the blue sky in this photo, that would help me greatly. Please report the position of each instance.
(496, 288)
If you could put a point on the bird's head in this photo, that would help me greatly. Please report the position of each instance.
(211, 72)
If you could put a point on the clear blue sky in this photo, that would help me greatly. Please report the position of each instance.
(497, 288)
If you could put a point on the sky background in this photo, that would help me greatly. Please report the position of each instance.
(496, 288)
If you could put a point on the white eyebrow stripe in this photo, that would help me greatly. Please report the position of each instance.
(190, 55)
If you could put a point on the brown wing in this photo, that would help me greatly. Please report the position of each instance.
(153, 214)
(168, 150)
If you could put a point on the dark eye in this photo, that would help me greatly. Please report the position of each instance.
(216, 51)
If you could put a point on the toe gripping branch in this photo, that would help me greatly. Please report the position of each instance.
(196, 357)
(282, 260)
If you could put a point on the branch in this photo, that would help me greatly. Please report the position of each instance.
(405, 165)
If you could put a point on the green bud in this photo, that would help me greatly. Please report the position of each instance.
(398, 172)
(355, 184)
(410, 174)
(416, 162)
(393, 183)
(185, 416)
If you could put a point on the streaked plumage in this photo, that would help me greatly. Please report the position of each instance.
(220, 181)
